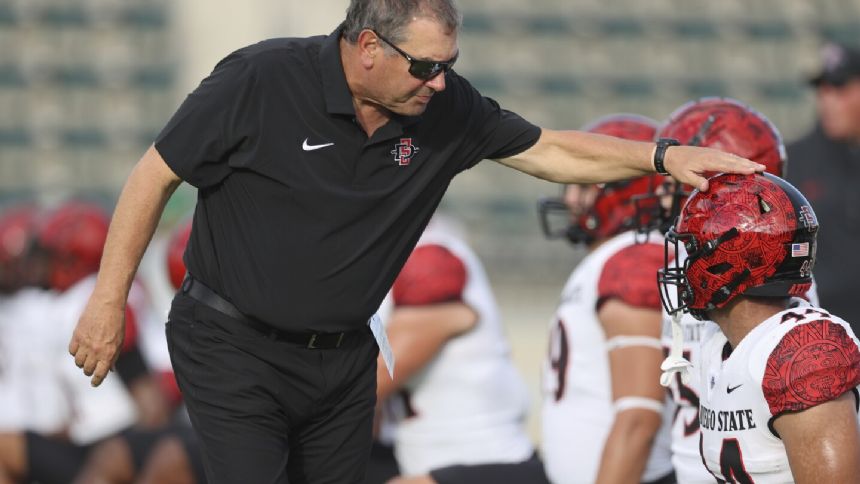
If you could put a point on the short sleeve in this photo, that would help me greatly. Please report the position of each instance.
(212, 122)
(432, 274)
(631, 276)
(491, 132)
(813, 363)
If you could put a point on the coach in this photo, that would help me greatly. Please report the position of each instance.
(318, 162)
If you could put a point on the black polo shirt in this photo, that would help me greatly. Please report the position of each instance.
(301, 220)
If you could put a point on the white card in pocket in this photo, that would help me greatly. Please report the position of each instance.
(378, 330)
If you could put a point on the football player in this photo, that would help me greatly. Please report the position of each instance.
(778, 394)
(727, 125)
(17, 235)
(51, 416)
(457, 403)
(604, 412)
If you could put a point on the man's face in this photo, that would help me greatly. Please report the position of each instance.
(839, 109)
(399, 91)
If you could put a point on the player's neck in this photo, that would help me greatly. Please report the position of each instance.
(743, 314)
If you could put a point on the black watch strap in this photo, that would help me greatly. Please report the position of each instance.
(663, 144)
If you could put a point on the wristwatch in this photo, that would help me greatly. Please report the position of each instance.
(663, 144)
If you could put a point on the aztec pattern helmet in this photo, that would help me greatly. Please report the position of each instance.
(612, 210)
(752, 235)
(73, 238)
(727, 125)
(175, 251)
(17, 235)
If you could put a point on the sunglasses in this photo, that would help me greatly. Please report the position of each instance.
(421, 69)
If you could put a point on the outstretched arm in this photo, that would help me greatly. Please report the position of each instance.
(580, 157)
(98, 336)
(823, 442)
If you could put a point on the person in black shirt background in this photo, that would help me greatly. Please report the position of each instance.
(825, 166)
(318, 162)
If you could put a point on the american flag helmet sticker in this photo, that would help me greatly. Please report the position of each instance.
(800, 250)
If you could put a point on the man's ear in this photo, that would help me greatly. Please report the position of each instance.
(369, 48)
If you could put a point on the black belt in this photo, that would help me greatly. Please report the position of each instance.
(198, 291)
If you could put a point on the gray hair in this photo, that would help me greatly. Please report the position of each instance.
(390, 17)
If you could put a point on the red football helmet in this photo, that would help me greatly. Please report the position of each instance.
(612, 210)
(728, 125)
(626, 126)
(752, 235)
(723, 124)
(175, 251)
(73, 238)
(17, 234)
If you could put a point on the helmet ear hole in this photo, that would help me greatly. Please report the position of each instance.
(720, 268)
(763, 205)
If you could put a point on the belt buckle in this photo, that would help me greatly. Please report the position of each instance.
(312, 342)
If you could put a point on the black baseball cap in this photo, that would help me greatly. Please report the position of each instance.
(840, 64)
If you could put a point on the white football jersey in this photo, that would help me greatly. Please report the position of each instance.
(578, 410)
(685, 424)
(792, 361)
(31, 396)
(467, 405)
(43, 390)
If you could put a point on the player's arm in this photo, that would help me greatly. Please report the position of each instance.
(416, 335)
(823, 442)
(580, 157)
(428, 311)
(633, 337)
(98, 336)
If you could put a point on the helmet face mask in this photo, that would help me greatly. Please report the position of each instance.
(748, 235)
(602, 210)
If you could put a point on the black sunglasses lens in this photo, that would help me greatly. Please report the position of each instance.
(427, 70)
(424, 69)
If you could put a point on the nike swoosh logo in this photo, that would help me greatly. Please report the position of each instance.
(307, 147)
(731, 389)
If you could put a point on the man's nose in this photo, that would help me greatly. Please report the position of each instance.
(437, 83)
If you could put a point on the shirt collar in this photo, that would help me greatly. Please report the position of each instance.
(338, 98)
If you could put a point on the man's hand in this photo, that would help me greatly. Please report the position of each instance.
(693, 165)
(97, 339)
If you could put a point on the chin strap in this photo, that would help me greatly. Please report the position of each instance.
(675, 362)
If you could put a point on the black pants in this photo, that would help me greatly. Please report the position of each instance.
(269, 411)
(528, 471)
(53, 461)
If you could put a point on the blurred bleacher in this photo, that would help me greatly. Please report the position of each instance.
(84, 86)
